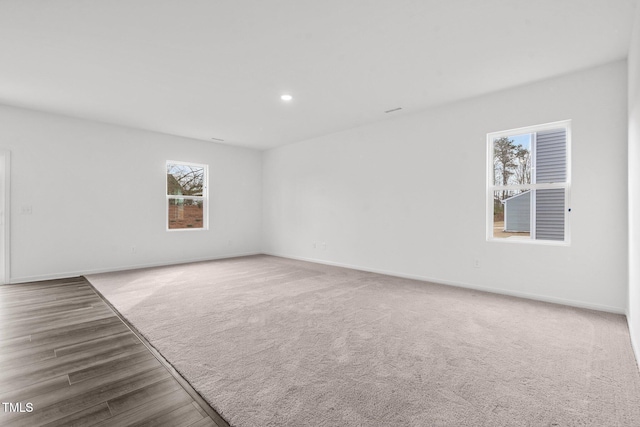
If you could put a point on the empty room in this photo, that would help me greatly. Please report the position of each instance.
(320, 213)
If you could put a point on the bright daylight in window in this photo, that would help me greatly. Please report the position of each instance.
(528, 184)
(186, 196)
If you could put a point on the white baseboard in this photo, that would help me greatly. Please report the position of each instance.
(537, 297)
(122, 268)
(634, 344)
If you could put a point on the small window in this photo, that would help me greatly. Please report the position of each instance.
(528, 184)
(186, 196)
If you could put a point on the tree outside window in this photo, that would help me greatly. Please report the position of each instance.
(529, 183)
(186, 196)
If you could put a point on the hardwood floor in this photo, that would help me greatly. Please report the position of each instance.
(67, 359)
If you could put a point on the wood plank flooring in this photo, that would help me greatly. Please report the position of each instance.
(67, 359)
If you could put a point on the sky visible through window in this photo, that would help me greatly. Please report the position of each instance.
(524, 140)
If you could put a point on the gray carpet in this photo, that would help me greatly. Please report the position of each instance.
(276, 342)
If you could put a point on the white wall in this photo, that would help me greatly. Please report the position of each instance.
(97, 190)
(404, 196)
(407, 195)
(634, 187)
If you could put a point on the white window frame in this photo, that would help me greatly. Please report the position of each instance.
(204, 197)
(566, 185)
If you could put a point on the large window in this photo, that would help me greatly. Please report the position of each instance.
(186, 196)
(528, 184)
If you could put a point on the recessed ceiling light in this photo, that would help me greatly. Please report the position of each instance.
(286, 97)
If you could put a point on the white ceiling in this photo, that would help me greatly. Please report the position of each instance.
(216, 68)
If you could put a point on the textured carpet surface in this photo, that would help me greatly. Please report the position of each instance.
(276, 342)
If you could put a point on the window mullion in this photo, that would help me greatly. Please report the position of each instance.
(541, 186)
